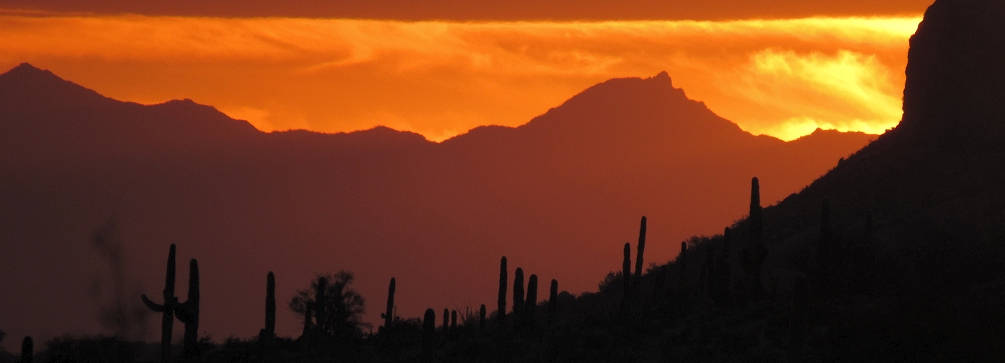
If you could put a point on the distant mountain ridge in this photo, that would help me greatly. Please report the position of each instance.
(557, 195)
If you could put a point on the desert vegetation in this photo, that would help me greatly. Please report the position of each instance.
(793, 306)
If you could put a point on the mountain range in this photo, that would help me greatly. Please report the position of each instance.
(558, 196)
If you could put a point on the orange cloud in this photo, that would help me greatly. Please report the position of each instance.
(777, 77)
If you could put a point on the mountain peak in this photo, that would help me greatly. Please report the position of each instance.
(26, 72)
(630, 108)
(663, 76)
(630, 90)
(27, 68)
(27, 82)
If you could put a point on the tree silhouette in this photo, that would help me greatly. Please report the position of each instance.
(341, 308)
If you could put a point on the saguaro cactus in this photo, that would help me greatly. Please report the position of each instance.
(481, 318)
(501, 309)
(641, 250)
(166, 309)
(27, 350)
(270, 308)
(389, 314)
(755, 252)
(320, 303)
(428, 336)
(518, 293)
(553, 302)
(453, 320)
(446, 320)
(188, 312)
(626, 273)
(755, 220)
(528, 311)
(682, 261)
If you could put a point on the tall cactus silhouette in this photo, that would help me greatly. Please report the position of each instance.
(166, 309)
(755, 252)
(553, 302)
(481, 318)
(389, 314)
(270, 308)
(501, 310)
(682, 261)
(27, 350)
(626, 273)
(531, 307)
(188, 313)
(320, 303)
(638, 259)
(518, 293)
(446, 320)
(755, 219)
(428, 336)
(453, 320)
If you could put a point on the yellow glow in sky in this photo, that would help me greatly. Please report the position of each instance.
(778, 77)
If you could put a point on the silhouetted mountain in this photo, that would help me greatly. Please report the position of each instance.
(916, 219)
(954, 92)
(938, 168)
(48, 118)
(556, 195)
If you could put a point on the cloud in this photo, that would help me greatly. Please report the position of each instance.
(441, 78)
(847, 91)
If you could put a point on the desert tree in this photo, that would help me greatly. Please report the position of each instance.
(337, 308)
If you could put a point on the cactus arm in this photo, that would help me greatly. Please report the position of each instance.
(184, 312)
(152, 305)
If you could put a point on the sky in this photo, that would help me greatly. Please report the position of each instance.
(781, 68)
(442, 67)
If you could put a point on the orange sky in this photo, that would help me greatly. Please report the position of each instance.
(440, 78)
(442, 67)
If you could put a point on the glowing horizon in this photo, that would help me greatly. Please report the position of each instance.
(783, 78)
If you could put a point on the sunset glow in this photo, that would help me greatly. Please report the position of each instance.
(778, 77)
